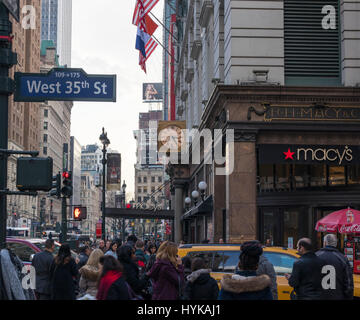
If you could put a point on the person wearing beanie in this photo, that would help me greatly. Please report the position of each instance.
(246, 284)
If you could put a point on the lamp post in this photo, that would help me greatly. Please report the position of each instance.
(105, 142)
(202, 187)
(123, 202)
(195, 195)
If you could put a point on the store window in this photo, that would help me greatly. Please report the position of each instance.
(318, 175)
(336, 175)
(353, 174)
(282, 177)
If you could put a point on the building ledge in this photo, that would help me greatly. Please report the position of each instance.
(195, 49)
(207, 9)
(189, 75)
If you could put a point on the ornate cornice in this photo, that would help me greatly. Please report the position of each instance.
(245, 135)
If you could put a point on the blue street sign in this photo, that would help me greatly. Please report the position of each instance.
(64, 84)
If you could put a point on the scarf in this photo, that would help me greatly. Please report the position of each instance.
(106, 282)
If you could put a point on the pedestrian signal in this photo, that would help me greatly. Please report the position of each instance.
(80, 213)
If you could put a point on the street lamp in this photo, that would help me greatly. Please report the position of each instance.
(195, 195)
(202, 187)
(123, 188)
(105, 142)
(187, 202)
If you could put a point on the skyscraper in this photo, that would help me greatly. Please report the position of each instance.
(56, 25)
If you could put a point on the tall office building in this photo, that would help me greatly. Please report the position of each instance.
(56, 25)
(24, 124)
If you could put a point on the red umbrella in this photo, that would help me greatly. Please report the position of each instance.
(342, 221)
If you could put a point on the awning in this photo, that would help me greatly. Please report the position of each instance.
(203, 208)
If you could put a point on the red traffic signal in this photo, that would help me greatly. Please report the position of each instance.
(66, 175)
(80, 213)
(128, 206)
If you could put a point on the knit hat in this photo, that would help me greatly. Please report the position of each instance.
(250, 253)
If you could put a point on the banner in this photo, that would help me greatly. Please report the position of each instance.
(152, 92)
(113, 171)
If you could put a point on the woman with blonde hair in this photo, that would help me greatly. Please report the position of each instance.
(90, 274)
(167, 273)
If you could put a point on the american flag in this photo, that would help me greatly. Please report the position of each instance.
(142, 8)
(145, 24)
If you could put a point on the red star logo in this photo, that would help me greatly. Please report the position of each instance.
(289, 154)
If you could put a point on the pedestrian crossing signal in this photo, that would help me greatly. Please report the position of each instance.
(80, 213)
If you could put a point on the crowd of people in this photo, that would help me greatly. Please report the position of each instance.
(144, 270)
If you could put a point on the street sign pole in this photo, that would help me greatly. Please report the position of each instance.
(7, 59)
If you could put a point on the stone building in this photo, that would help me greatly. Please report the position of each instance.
(286, 84)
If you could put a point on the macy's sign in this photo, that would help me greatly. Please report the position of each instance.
(321, 154)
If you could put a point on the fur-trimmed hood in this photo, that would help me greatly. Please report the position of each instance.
(239, 284)
(195, 275)
(90, 273)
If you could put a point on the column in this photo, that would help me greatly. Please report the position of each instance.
(178, 210)
(241, 189)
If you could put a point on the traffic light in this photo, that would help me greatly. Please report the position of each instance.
(128, 206)
(80, 213)
(67, 189)
(56, 186)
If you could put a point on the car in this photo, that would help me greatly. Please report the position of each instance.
(25, 248)
(223, 258)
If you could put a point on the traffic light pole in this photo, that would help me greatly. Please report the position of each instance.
(63, 220)
(7, 60)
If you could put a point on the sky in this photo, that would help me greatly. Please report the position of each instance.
(103, 42)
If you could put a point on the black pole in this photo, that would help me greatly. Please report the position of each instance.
(103, 195)
(63, 220)
(7, 59)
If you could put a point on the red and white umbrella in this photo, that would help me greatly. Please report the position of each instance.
(342, 221)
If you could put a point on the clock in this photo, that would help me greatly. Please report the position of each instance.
(171, 135)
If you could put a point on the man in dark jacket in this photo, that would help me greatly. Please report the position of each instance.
(306, 273)
(342, 286)
(200, 285)
(42, 263)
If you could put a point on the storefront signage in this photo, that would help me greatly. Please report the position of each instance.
(312, 113)
(309, 154)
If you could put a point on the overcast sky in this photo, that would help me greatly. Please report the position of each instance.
(103, 42)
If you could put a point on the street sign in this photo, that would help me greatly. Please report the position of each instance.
(64, 84)
(13, 7)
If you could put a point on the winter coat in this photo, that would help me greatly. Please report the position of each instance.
(63, 280)
(140, 255)
(12, 283)
(344, 286)
(83, 259)
(112, 287)
(306, 277)
(245, 285)
(131, 274)
(42, 262)
(151, 261)
(266, 267)
(167, 280)
(88, 280)
(201, 286)
(111, 253)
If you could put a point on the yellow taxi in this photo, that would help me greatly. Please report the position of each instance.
(223, 258)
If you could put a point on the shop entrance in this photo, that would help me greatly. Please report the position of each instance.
(283, 226)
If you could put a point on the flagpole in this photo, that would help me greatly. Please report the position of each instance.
(165, 48)
(164, 27)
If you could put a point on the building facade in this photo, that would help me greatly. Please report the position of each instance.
(56, 25)
(24, 124)
(288, 92)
